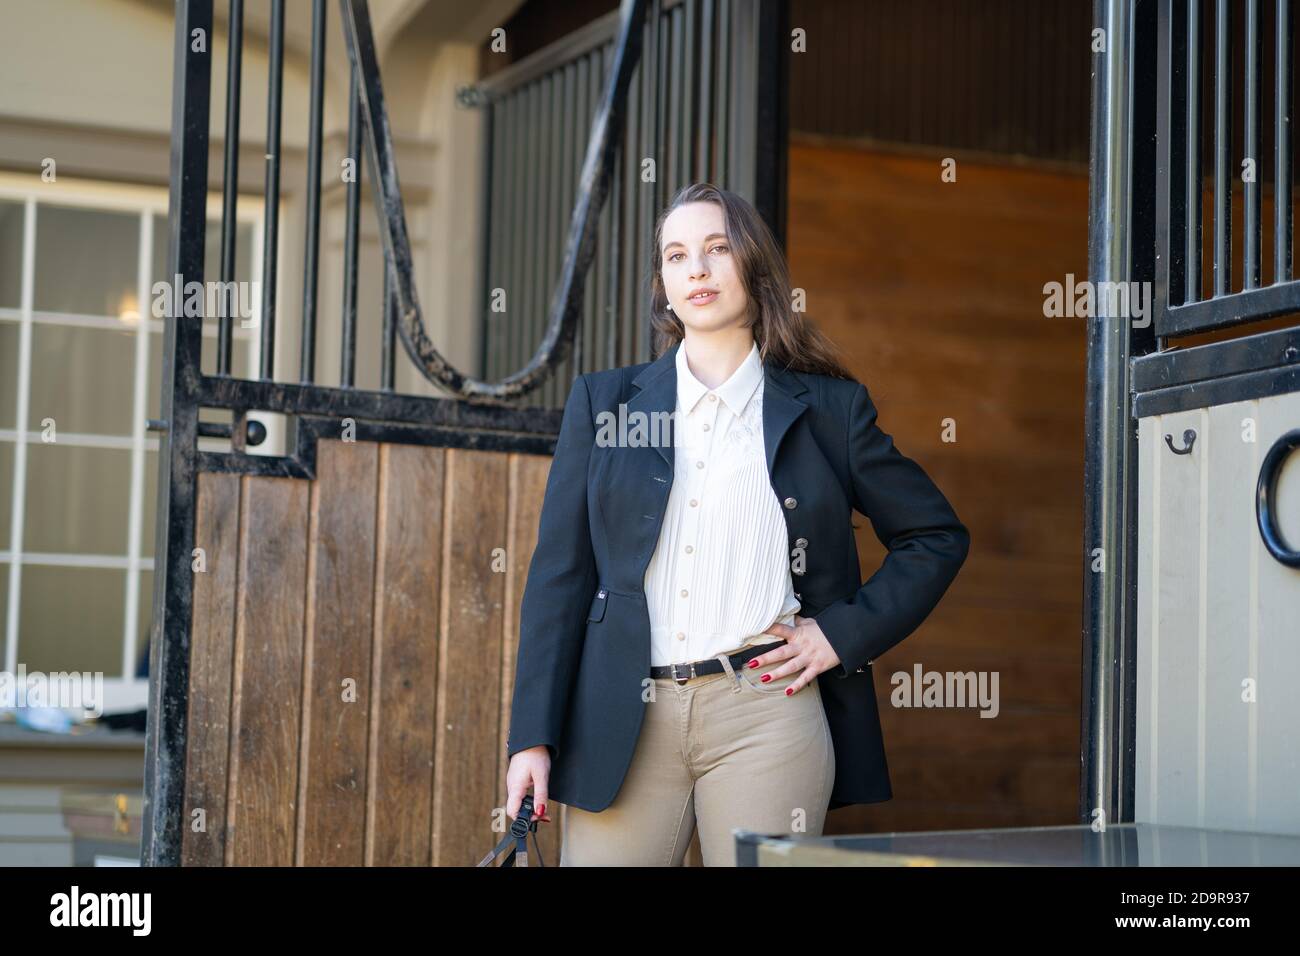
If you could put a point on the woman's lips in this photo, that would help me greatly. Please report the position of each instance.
(703, 299)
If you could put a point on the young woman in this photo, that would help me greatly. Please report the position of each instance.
(695, 638)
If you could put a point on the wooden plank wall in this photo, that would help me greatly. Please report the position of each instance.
(353, 642)
(935, 292)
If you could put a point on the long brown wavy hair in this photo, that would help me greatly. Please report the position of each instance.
(782, 334)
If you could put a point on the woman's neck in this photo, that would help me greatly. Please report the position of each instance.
(712, 357)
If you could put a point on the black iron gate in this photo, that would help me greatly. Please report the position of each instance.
(480, 414)
(1179, 88)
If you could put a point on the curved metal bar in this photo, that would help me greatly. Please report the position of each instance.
(597, 169)
(1265, 494)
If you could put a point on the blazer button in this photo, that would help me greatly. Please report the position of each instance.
(790, 502)
(801, 543)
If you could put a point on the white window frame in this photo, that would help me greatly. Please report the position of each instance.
(127, 692)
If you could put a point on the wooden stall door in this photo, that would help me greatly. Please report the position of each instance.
(1217, 654)
(353, 651)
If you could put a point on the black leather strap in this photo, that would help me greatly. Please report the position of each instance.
(518, 835)
(684, 672)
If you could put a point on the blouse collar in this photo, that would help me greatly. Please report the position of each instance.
(735, 391)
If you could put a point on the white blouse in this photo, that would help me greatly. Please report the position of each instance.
(720, 574)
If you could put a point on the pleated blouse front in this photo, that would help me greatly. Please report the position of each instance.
(720, 574)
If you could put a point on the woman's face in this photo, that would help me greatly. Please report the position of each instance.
(697, 258)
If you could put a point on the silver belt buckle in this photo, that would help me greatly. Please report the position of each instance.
(675, 672)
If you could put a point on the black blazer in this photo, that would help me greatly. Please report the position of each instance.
(584, 629)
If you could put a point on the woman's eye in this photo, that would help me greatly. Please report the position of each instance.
(672, 257)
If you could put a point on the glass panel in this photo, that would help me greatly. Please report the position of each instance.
(145, 620)
(70, 619)
(11, 255)
(82, 378)
(86, 261)
(76, 499)
(8, 374)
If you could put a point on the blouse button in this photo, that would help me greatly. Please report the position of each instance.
(699, 464)
(790, 502)
(706, 426)
(712, 397)
(694, 502)
(681, 636)
(683, 592)
(690, 548)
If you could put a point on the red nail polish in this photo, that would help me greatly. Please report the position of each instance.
(789, 691)
(541, 811)
(753, 663)
(765, 678)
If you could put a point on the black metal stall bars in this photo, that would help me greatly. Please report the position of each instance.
(1179, 307)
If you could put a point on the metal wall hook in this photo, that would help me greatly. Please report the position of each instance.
(1189, 438)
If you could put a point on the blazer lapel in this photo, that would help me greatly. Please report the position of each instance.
(657, 384)
(657, 392)
(781, 408)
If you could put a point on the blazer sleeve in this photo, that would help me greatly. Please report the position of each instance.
(911, 517)
(561, 582)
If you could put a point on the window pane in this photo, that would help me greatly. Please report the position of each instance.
(82, 378)
(86, 261)
(76, 499)
(11, 255)
(8, 374)
(71, 619)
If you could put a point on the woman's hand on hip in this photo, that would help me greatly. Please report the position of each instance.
(806, 649)
(528, 768)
